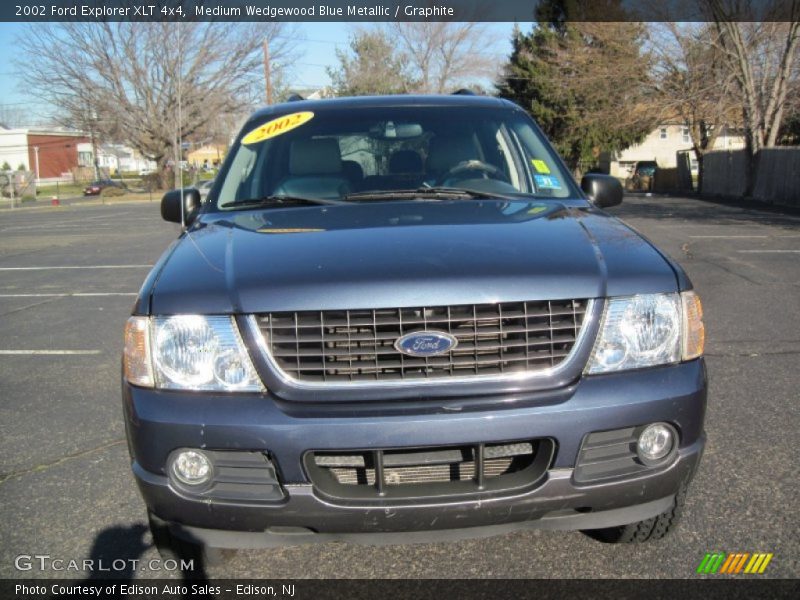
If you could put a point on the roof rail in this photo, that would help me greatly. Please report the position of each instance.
(295, 98)
(464, 92)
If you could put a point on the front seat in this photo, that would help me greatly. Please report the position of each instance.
(405, 169)
(445, 152)
(315, 170)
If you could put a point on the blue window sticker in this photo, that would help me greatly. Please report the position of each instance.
(547, 182)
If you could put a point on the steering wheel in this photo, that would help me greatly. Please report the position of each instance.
(488, 171)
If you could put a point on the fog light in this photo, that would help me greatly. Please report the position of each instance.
(191, 467)
(655, 442)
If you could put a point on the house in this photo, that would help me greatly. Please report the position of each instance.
(115, 158)
(209, 155)
(662, 145)
(50, 153)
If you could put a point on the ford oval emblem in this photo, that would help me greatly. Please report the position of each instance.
(425, 343)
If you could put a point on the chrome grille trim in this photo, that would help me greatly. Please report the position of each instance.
(541, 334)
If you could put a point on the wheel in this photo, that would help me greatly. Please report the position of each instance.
(465, 167)
(172, 547)
(654, 528)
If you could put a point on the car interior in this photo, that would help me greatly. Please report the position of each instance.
(330, 160)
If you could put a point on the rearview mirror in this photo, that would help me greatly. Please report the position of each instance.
(171, 206)
(603, 190)
(395, 131)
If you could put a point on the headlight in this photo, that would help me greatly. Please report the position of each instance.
(648, 330)
(190, 352)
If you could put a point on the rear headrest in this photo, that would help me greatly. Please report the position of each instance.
(444, 153)
(405, 161)
(352, 170)
(315, 157)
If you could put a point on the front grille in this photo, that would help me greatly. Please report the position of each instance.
(358, 345)
(419, 472)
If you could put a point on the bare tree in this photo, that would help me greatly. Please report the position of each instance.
(445, 56)
(12, 116)
(143, 83)
(693, 83)
(762, 56)
(420, 57)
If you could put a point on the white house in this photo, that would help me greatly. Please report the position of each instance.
(50, 153)
(14, 148)
(118, 157)
(662, 144)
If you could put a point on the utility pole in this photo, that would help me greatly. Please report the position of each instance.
(179, 135)
(36, 182)
(267, 74)
(92, 118)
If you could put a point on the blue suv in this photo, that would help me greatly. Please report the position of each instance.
(395, 316)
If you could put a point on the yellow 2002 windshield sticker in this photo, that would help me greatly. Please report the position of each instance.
(277, 127)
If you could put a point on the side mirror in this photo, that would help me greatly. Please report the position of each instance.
(603, 190)
(171, 205)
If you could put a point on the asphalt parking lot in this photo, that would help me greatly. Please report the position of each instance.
(68, 277)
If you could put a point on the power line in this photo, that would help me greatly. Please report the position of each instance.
(309, 64)
(314, 41)
(42, 102)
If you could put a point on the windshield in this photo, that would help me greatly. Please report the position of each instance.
(368, 153)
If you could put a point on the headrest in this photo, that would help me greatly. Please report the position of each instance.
(444, 153)
(315, 157)
(405, 161)
(352, 170)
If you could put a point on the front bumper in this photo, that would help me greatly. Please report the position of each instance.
(159, 422)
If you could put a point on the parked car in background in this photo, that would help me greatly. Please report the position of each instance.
(204, 188)
(643, 176)
(96, 187)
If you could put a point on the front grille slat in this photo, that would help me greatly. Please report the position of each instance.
(339, 346)
(379, 471)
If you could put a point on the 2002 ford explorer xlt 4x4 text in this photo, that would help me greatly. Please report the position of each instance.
(396, 316)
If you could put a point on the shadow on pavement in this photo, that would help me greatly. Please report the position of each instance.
(717, 212)
(116, 555)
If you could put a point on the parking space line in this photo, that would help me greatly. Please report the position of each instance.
(36, 230)
(768, 251)
(47, 352)
(728, 237)
(71, 225)
(76, 267)
(69, 295)
(60, 222)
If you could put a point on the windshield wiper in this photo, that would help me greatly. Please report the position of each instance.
(280, 200)
(434, 193)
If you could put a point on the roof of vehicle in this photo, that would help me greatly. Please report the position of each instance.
(357, 102)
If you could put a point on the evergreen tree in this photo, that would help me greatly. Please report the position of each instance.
(583, 82)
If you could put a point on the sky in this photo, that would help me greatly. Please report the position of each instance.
(317, 52)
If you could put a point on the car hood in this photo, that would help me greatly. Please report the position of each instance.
(389, 254)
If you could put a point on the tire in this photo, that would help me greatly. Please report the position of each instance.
(654, 528)
(171, 547)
